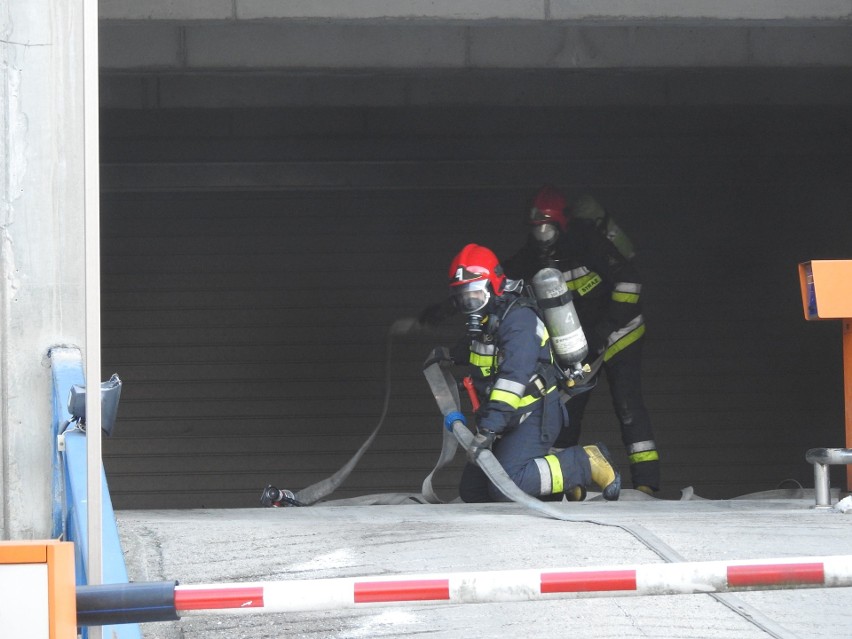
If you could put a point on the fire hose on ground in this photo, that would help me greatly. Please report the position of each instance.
(766, 575)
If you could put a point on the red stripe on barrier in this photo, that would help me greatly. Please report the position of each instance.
(417, 590)
(214, 598)
(776, 574)
(588, 581)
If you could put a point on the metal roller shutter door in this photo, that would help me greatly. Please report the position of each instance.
(248, 318)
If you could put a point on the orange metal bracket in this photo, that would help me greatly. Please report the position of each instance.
(826, 287)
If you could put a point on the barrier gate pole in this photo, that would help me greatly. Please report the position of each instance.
(164, 601)
(516, 585)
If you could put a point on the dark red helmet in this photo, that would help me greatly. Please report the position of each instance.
(475, 274)
(549, 207)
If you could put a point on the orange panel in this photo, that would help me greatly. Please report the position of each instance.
(22, 552)
(832, 286)
(62, 591)
(61, 584)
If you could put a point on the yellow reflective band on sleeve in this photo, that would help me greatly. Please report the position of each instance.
(555, 474)
(648, 455)
(628, 298)
(624, 342)
(585, 284)
(481, 360)
(484, 363)
(526, 400)
(508, 385)
(511, 399)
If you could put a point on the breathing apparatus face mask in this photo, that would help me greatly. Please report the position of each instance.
(473, 296)
(473, 299)
(544, 235)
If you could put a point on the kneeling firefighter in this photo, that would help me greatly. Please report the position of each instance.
(520, 414)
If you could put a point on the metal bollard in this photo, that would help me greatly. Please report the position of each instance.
(822, 458)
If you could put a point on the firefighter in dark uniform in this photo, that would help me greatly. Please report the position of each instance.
(606, 291)
(521, 413)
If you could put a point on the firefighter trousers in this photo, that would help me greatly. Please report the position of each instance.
(624, 375)
(523, 452)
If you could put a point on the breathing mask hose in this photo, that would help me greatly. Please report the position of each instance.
(474, 324)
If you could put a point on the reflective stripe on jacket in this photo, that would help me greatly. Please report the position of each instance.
(606, 287)
(507, 365)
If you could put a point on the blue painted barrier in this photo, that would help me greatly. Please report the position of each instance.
(69, 487)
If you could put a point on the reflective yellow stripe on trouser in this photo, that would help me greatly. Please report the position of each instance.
(646, 451)
(651, 455)
(550, 472)
(624, 341)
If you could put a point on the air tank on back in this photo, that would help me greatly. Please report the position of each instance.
(566, 335)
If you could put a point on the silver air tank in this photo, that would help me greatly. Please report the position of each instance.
(560, 317)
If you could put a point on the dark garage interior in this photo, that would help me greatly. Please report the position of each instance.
(255, 254)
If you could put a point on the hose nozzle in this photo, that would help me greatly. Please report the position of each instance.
(272, 497)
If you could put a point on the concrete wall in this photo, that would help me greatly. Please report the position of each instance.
(41, 229)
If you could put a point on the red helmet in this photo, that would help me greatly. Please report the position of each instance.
(475, 273)
(549, 208)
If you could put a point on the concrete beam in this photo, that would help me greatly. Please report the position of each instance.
(619, 11)
(266, 45)
(387, 52)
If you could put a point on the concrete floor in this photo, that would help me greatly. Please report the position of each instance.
(224, 546)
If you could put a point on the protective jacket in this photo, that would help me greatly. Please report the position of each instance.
(606, 286)
(512, 364)
(515, 378)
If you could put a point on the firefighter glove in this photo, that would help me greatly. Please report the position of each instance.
(482, 440)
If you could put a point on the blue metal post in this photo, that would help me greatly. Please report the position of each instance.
(69, 487)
